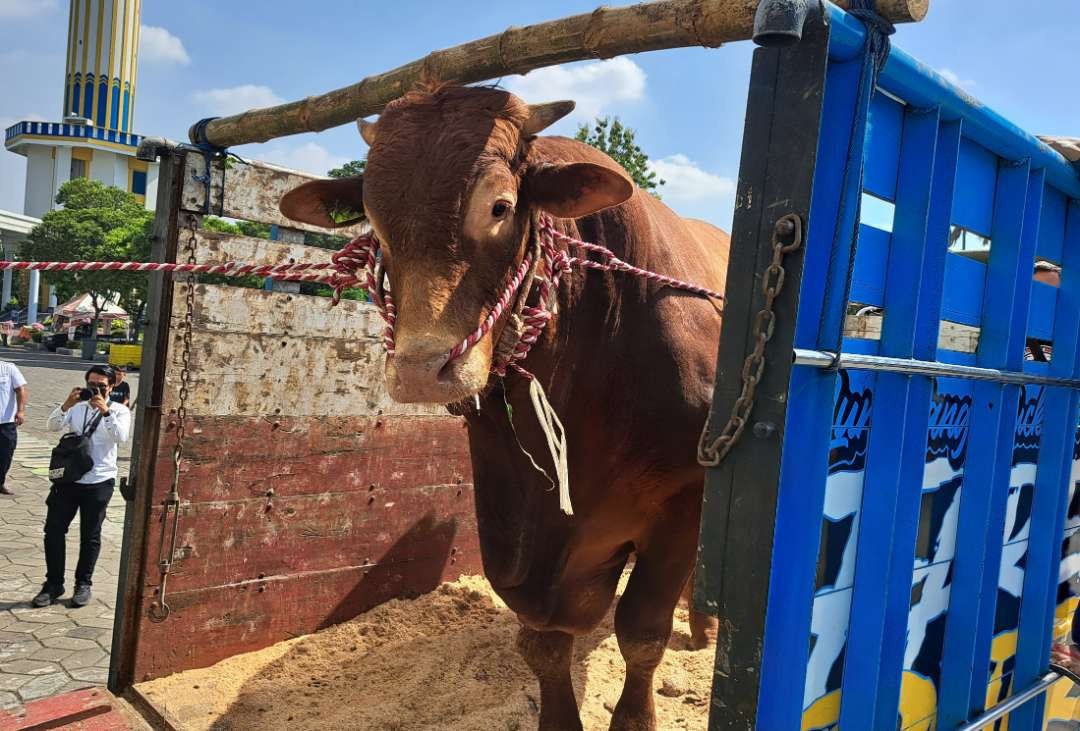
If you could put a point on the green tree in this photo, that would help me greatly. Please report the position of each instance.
(96, 223)
(351, 169)
(610, 136)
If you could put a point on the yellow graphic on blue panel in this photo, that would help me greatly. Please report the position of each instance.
(1063, 698)
(935, 549)
(836, 560)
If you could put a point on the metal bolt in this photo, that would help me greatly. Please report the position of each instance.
(785, 227)
(764, 429)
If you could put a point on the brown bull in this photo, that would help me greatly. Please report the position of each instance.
(453, 179)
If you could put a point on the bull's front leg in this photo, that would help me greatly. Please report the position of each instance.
(548, 655)
(643, 617)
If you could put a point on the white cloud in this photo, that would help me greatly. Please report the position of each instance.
(309, 157)
(693, 192)
(158, 44)
(684, 181)
(595, 85)
(25, 8)
(954, 78)
(233, 100)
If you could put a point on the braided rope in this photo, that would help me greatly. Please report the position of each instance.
(357, 264)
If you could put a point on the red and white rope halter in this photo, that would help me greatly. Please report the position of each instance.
(361, 254)
(358, 264)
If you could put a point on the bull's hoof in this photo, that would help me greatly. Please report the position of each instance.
(703, 629)
(703, 641)
(625, 719)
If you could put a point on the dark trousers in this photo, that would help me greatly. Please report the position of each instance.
(9, 435)
(65, 499)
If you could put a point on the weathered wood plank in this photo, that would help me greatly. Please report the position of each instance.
(231, 542)
(603, 33)
(270, 353)
(234, 458)
(214, 247)
(212, 624)
(952, 335)
(252, 192)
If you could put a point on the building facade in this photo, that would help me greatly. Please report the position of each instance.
(95, 136)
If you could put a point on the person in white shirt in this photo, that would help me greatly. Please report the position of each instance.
(89, 495)
(12, 414)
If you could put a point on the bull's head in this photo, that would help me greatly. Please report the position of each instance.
(451, 182)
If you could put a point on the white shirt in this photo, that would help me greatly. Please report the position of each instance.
(10, 379)
(113, 430)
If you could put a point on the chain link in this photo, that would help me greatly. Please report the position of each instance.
(159, 609)
(712, 452)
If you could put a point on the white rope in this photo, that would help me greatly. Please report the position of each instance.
(556, 441)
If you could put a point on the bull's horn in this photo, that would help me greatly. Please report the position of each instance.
(542, 116)
(367, 131)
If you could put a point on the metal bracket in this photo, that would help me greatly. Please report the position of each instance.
(779, 23)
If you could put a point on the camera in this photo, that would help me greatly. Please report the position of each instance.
(85, 394)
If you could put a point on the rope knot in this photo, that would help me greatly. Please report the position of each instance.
(878, 30)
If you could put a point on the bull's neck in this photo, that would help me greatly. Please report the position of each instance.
(591, 304)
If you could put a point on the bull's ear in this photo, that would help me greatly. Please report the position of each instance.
(575, 189)
(327, 203)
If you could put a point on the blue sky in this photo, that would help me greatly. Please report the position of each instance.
(213, 58)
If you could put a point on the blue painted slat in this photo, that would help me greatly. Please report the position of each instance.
(1001, 345)
(922, 223)
(986, 478)
(965, 283)
(804, 466)
(973, 204)
(804, 462)
(838, 110)
(935, 258)
(871, 260)
(897, 451)
(1052, 230)
(1052, 485)
(1041, 318)
(883, 146)
(989, 433)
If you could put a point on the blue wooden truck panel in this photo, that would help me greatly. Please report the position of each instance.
(928, 528)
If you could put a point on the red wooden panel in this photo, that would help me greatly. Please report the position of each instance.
(230, 458)
(209, 625)
(233, 541)
(290, 525)
(81, 710)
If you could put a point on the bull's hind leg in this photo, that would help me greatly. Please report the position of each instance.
(548, 655)
(703, 628)
(644, 614)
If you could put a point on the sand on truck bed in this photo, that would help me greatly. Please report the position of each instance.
(443, 661)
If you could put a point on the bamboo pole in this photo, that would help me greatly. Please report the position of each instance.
(604, 33)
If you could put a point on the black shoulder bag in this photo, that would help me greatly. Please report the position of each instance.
(71, 457)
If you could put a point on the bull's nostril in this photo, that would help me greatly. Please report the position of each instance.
(448, 371)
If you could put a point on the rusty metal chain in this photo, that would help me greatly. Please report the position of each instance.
(159, 609)
(787, 236)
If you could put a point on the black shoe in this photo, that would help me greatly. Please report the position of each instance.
(81, 597)
(47, 596)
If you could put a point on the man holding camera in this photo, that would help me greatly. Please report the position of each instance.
(90, 411)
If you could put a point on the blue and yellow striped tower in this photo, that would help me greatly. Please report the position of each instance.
(95, 136)
(102, 61)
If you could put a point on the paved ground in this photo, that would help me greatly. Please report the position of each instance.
(59, 648)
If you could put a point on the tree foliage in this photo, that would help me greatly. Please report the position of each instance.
(96, 223)
(609, 135)
(351, 169)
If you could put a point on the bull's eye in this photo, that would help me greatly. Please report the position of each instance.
(500, 209)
